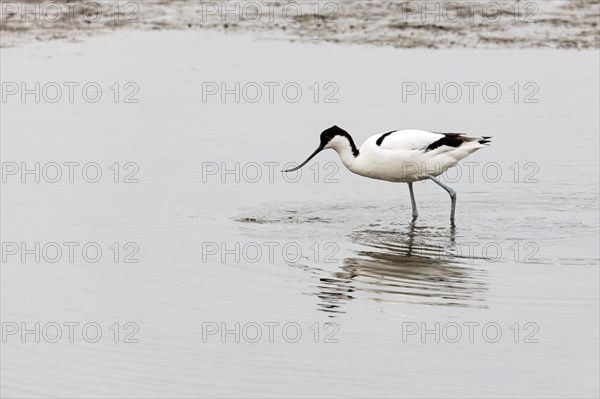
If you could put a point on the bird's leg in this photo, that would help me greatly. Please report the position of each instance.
(450, 191)
(415, 214)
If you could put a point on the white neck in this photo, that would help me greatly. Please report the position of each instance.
(343, 147)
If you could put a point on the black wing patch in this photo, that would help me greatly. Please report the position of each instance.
(449, 139)
(383, 136)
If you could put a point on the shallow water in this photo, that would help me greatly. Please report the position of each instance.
(332, 248)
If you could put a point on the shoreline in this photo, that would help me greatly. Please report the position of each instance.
(504, 24)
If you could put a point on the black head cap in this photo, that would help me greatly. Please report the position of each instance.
(326, 136)
(330, 133)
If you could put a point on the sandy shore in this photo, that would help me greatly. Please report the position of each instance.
(402, 24)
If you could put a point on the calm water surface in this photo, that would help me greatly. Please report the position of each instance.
(331, 252)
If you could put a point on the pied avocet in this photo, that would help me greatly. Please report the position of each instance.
(404, 156)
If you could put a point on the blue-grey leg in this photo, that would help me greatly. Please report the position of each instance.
(415, 214)
(450, 191)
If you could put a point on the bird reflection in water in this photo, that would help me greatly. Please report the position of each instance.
(419, 265)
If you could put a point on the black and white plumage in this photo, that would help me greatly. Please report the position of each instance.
(402, 155)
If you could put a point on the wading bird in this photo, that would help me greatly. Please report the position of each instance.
(404, 156)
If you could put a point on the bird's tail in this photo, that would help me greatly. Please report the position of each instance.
(485, 140)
